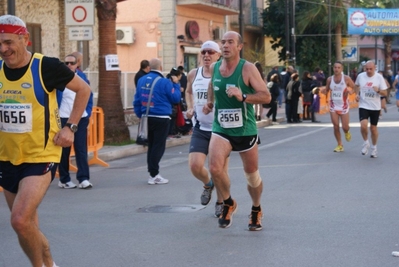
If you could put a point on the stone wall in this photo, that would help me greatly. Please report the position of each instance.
(50, 14)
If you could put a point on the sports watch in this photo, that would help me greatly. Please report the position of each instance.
(72, 127)
(244, 96)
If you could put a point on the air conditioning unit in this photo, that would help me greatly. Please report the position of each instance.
(124, 35)
(218, 33)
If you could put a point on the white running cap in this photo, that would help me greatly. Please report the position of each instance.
(211, 45)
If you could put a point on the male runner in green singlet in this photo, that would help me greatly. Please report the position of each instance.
(235, 86)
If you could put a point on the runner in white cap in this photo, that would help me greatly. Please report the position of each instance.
(197, 90)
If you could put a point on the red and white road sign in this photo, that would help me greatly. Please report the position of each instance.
(79, 12)
(395, 55)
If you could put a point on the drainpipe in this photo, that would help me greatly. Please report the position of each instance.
(241, 22)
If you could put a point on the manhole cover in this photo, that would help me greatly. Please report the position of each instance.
(170, 208)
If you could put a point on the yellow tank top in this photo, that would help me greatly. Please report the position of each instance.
(29, 117)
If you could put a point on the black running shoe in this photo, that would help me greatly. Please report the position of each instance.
(226, 218)
(255, 221)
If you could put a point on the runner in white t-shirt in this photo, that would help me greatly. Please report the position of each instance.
(340, 86)
(370, 86)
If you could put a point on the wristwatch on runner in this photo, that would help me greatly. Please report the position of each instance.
(72, 127)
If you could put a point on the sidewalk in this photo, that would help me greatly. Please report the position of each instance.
(108, 153)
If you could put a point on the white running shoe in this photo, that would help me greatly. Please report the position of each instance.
(68, 185)
(373, 153)
(54, 265)
(157, 180)
(85, 185)
(365, 148)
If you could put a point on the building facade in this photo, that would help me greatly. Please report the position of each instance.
(174, 30)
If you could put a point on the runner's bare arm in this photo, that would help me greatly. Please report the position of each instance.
(350, 83)
(251, 77)
(209, 105)
(189, 92)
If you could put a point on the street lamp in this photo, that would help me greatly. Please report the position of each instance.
(11, 7)
(329, 37)
(287, 32)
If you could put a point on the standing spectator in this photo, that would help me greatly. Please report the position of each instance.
(287, 79)
(370, 87)
(173, 131)
(339, 86)
(144, 69)
(273, 71)
(389, 77)
(259, 107)
(291, 102)
(183, 85)
(31, 144)
(395, 86)
(80, 142)
(164, 95)
(274, 88)
(197, 92)
(282, 88)
(315, 107)
(319, 76)
(236, 85)
(306, 85)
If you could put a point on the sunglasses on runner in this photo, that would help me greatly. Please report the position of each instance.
(70, 63)
(210, 52)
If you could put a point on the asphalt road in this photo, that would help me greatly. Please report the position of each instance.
(320, 208)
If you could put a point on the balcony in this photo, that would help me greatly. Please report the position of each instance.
(219, 7)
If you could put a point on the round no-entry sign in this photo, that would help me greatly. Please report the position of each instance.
(79, 12)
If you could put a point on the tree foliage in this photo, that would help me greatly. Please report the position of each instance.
(311, 28)
(274, 26)
(311, 45)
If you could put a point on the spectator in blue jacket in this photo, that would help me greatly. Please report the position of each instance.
(166, 92)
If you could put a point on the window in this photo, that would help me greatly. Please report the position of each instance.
(190, 62)
(83, 47)
(254, 13)
(35, 31)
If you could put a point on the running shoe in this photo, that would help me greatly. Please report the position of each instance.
(255, 221)
(373, 153)
(339, 149)
(348, 136)
(218, 209)
(206, 195)
(226, 218)
(365, 148)
(68, 185)
(157, 180)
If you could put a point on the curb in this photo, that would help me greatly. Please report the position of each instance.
(108, 153)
